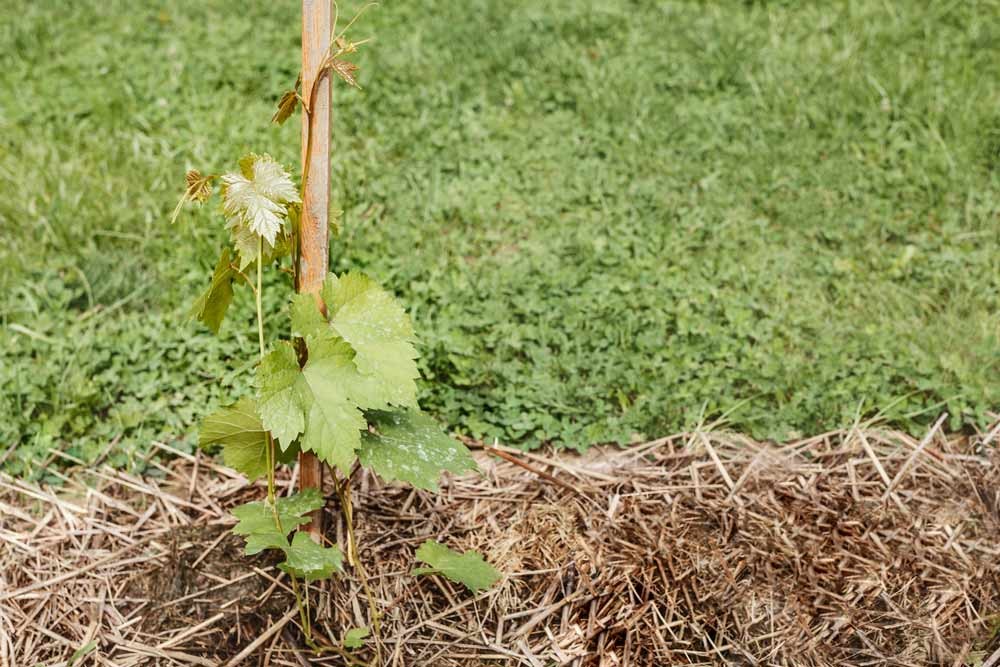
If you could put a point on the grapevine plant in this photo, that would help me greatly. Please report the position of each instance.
(342, 386)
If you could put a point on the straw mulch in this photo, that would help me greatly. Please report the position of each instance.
(850, 548)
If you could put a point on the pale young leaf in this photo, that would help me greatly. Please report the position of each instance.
(243, 203)
(246, 243)
(468, 569)
(271, 180)
(257, 196)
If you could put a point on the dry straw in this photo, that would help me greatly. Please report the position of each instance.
(862, 547)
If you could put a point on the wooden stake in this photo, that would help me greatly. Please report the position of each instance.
(314, 231)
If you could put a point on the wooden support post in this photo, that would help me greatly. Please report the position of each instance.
(314, 232)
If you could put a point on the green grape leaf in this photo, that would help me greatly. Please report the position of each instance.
(306, 559)
(313, 400)
(277, 397)
(256, 520)
(242, 435)
(333, 421)
(381, 335)
(288, 455)
(212, 305)
(307, 320)
(355, 637)
(409, 446)
(468, 569)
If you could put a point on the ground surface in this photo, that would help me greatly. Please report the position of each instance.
(607, 219)
(865, 547)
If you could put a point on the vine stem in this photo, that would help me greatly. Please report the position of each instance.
(242, 275)
(260, 337)
(257, 293)
(271, 455)
(347, 509)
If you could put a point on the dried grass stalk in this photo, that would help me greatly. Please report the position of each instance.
(863, 547)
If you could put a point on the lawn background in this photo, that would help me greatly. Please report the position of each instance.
(610, 220)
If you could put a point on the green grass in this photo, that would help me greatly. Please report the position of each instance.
(610, 219)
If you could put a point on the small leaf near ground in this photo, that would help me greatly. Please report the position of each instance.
(306, 559)
(212, 305)
(82, 652)
(242, 435)
(256, 520)
(355, 637)
(468, 569)
(409, 446)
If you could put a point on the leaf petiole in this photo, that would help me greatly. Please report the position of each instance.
(235, 269)
(257, 293)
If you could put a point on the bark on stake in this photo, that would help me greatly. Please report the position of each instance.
(314, 233)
